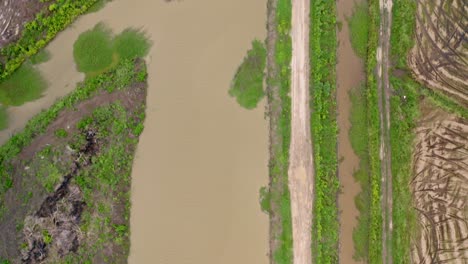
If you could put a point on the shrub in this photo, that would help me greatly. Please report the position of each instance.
(131, 44)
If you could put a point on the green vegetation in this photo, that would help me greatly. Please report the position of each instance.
(279, 100)
(98, 6)
(131, 44)
(105, 182)
(357, 132)
(323, 46)
(93, 50)
(247, 85)
(96, 50)
(38, 32)
(3, 118)
(359, 29)
(24, 85)
(40, 57)
(373, 132)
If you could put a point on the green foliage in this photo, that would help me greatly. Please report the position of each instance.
(38, 32)
(265, 198)
(402, 31)
(61, 133)
(3, 118)
(40, 57)
(373, 133)
(359, 28)
(46, 236)
(24, 85)
(98, 6)
(280, 197)
(359, 142)
(93, 49)
(247, 85)
(131, 44)
(324, 130)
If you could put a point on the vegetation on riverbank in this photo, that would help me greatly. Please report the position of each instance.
(100, 137)
(359, 127)
(323, 44)
(38, 32)
(96, 50)
(279, 191)
(40, 57)
(247, 84)
(3, 118)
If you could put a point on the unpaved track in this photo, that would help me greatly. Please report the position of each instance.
(301, 169)
(384, 90)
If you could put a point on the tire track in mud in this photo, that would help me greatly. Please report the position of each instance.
(384, 92)
(301, 170)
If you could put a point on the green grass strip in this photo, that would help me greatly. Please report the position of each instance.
(323, 44)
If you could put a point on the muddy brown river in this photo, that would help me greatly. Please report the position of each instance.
(202, 158)
(350, 73)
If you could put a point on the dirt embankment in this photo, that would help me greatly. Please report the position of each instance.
(440, 188)
(440, 57)
(13, 15)
(384, 92)
(301, 170)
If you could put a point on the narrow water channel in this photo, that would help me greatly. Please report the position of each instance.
(350, 73)
(202, 158)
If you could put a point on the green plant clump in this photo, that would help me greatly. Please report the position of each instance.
(131, 44)
(359, 29)
(93, 49)
(40, 57)
(3, 118)
(24, 85)
(247, 85)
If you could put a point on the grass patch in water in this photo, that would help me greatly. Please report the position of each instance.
(98, 6)
(131, 44)
(40, 57)
(96, 50)
(247, 84)
(24, 85)
(359, 29)
(93, 49)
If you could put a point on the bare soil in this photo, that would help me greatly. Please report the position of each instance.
(440, 188)
(14, 14)
(301, 169)
(440, 57)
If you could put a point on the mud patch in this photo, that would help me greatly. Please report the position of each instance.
(440, 188)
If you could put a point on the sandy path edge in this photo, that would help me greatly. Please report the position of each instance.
(301, 170)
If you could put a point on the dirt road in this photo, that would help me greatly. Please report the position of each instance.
(384, 107)
(301, 170)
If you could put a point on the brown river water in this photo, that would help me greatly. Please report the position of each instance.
(350, 73)
(201, 158)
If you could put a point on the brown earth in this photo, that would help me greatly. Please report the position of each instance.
(440, 188)
(30, 209)
(440, 57)
(301, 169)
(13, 15)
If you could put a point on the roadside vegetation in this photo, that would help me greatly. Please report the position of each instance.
(278, 82)
(96, 50)
(86, 162)
(247, 84)
(38, 32)
(323, 44)
(24, 85)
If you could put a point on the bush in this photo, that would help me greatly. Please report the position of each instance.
(247, 85)
(61, 133)
(24, 85)
(131, 44)
(93, 50)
